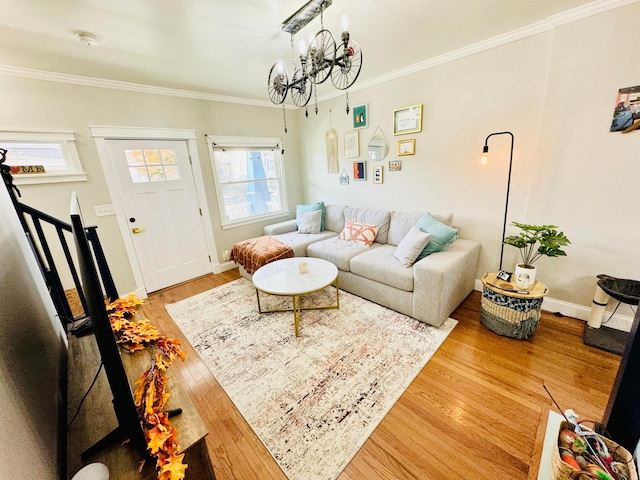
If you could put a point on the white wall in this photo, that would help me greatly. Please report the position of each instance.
(41, 105)
(32, 360)
(556, 92)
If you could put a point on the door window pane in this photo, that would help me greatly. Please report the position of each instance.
(152, 165)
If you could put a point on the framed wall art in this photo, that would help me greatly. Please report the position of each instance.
(360, 116)
(359, 170)
(407, 147)
(395, 165)
(344, 178)
(407, 120)
(352, 144)
(377, 174)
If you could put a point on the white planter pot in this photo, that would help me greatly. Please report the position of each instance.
(527, 270)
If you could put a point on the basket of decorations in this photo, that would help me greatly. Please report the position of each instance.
(582, 454)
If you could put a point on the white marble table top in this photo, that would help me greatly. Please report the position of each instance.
(282, 277)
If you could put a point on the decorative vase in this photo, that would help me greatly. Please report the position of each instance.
(530, 270)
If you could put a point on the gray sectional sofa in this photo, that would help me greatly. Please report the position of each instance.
(429, 290)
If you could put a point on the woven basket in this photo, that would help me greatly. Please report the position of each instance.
(563, 471)
(509, 316)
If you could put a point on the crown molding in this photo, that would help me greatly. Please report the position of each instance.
(549, 24)
(552, 22)
(48, 76)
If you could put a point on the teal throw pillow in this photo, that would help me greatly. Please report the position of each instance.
(310, 207)
(441, 235)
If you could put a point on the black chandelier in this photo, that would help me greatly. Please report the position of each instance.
(319, 61)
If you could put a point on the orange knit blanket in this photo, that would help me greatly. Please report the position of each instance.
(256, 252)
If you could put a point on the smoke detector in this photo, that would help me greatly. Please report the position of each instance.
(86, 38)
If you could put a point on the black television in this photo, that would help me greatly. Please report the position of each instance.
(129, 424)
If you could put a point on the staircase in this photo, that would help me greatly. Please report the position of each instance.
(50, 231)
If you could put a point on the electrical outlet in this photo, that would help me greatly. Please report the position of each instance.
(104, 210)
(225, 255)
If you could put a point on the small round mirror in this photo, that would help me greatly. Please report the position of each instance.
(378, 145)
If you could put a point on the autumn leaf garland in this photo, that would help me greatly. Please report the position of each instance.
(151, 394)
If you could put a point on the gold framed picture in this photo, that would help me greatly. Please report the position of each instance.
(407, 147)
(407, 120)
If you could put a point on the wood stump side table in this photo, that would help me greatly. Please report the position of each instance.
(505, 311)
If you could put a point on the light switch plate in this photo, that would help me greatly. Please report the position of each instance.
(104, 210)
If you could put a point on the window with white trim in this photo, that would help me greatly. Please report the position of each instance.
(249, 177)
(42, 157)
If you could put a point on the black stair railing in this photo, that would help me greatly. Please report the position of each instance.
(40, 244)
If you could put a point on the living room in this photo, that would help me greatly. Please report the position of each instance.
(553, 85)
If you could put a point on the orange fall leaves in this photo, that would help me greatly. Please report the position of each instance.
(151, 394)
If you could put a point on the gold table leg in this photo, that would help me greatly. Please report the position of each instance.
(296, 305)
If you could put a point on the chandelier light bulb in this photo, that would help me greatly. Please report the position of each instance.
(344, 21)
(302, 47)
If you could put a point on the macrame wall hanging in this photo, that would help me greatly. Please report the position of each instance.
(331, 141)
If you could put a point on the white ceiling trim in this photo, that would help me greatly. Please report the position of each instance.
(593, 8)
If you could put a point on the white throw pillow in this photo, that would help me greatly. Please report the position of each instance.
(309, 222)
(411, 245)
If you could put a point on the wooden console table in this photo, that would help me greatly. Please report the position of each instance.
(97, 418)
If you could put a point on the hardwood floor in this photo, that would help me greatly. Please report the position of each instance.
(477, 410)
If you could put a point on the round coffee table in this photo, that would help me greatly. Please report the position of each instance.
(284, 278)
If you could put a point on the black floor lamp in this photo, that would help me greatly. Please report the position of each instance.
(485, 157)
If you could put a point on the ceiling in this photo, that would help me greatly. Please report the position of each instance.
(227, 47)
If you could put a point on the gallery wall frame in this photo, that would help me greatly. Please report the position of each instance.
(407, 120)
(359, 170)
(395, 165)
(377, 174)
(407, 147)
(360, 116)
(352, 144)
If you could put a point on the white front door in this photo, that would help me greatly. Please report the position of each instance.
(159, 199)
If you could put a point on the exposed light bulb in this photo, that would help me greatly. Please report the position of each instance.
(485, 155)
(344, 21)
(302, 47)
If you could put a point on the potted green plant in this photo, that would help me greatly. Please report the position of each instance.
(535, 241)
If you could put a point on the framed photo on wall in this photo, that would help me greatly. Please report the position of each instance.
(360, 116)
(344, 179)
(352, 144)
(395, 165)
(359, 170)
(407, 147)
(377, 174)
(407, 120)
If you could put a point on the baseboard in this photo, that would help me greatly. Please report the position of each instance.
(618, 322)
(223, 267)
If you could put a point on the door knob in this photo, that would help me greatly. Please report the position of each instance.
(138, 230)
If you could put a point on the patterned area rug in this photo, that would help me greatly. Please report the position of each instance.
(313, 400)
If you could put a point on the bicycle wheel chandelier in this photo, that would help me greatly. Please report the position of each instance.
(322, 59)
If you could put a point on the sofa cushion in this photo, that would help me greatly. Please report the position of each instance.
(401, 222)
(441, 235)
(310, 222)
(337, 251)
(300, 241)
(359, 232)
(334, 218)
(381, 266)
(310, 207)
(370, 217)
(411, 245)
